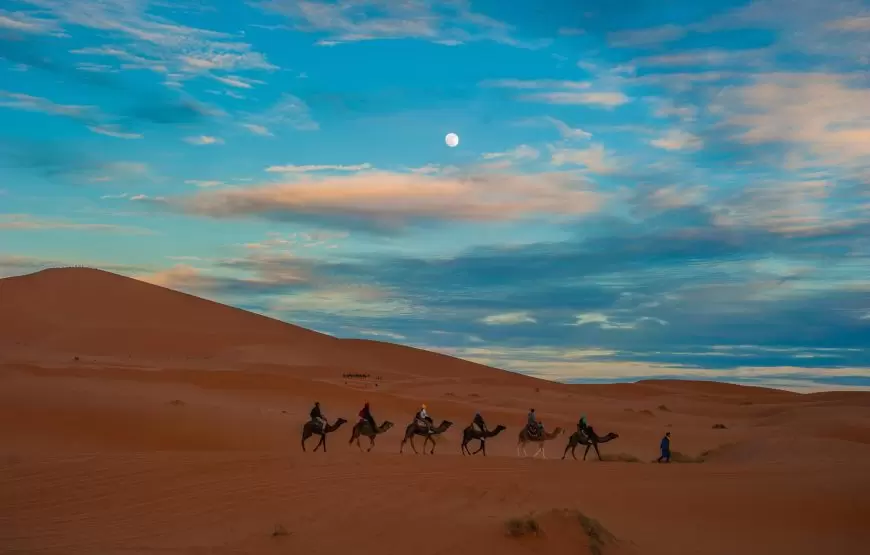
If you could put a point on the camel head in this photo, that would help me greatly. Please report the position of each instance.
(340, 421)
(386, 426)
(499, 429)
(609, 437)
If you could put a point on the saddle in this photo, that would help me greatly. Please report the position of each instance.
(422, 425)
(318, 427)
(535, 431)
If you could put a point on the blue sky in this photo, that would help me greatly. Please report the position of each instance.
(641, 189)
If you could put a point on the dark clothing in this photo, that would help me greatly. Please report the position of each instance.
(480, 423)
(315, 413)
(666, 450)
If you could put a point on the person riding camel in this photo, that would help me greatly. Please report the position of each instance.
(536, 427)
(365, 415)
(478, 421)
(583, 426)
(424, 420)
(317, 417)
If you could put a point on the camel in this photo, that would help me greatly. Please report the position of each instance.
(578, 438)
(308, 430)
(524, 437)
(414, 430)
(363, 428)
(471, 432)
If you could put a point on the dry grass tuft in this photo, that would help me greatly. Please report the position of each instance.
(519, 527)
(280, 531)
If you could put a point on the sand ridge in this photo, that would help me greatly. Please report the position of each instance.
(135, 419)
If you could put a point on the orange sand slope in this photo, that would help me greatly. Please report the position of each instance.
(135, 419)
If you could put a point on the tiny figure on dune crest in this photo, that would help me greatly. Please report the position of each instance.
(666, 449)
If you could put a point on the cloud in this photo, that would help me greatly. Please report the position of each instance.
(508, 319)
(24, 222)
(535, 84)
(567, 131)
(114, 131)
(654, 36)
(25, 23)
(446, 22)
(677, 140)
(316, 168)
(18, 101)
(204, 183)
(605, 99)
(856, 23)
(595, 158)
(522, 152)
(708, 57)
(288, 111)
(385, 200)
(827, 116)
(605, 322)
(204, 140)
(155, 43)
(261, 130)
(389, 335)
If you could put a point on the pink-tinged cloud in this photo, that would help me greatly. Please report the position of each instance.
(397, 199)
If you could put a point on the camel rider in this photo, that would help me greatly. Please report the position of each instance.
(365, 415)
(583, 426)
(317, 417)
(535, 427)
(423, 419)
(478, 421)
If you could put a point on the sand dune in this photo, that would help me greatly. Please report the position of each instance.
(135, 419)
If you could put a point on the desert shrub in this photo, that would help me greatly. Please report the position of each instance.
(519, 527)
(664, 408)
(280, 531)
(719, 427)
(599, 536)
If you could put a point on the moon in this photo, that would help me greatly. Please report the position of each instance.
(452, 139)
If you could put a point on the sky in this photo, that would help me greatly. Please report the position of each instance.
(668, 189)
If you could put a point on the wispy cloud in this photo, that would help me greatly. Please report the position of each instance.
(19, 101)
(595, 158)
(446, 22)
(23, 222)
(204, 140)
(153, 42)
(114, 131)
(204, 182)
(676, 139)
(604, 99)
(509, 319)
(522, 152)
(654, 36)
(290, 168)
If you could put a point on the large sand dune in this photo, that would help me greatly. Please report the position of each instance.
(136, 419)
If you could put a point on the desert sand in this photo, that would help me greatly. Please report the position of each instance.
(139, 420)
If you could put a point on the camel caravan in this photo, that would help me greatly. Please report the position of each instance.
(423, 425)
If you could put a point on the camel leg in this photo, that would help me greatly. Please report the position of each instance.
(586, 452)
(304, 437)
(565, 454)
(371, 442)
(483, 446)
(572, 452)
(434, 445)
(595, 445)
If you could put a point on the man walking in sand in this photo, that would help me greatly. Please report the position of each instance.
(666, 449)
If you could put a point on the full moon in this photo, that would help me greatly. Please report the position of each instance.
(452, 139)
